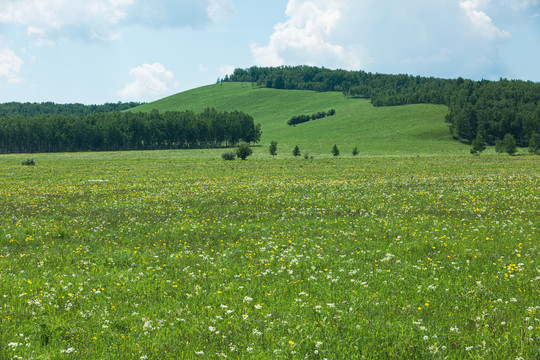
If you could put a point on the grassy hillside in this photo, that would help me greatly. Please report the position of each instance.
(399, 130)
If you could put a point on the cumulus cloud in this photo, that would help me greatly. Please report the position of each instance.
(102, 19)
(480, 20)
(10, 66)
(446, 38)
(151, 81)
(305, 37)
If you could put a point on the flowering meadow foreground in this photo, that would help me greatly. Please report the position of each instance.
(157, 255)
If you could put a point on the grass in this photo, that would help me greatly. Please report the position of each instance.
(173, 254)
(400, 130)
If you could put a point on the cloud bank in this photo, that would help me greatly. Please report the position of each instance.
(151, 81)
(446, 38)
(48, 20)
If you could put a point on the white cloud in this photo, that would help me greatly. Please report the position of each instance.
(481, 20)
(446, 38)
(305, 37)
(10, 66)
(221, 10)
(102, 19)
(151, 81)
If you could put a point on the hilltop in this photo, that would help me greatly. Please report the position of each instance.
(396, 130)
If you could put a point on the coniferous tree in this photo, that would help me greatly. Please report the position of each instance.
(534, 144)
(273, 148)
(355, 151)
(509, 144)
(478, 145)
(296, 151)
(335, 151)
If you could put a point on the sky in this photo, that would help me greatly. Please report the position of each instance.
(98, 51)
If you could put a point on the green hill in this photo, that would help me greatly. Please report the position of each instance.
(397, 130)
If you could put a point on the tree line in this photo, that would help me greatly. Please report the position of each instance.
(299, 119)
(491, 109)
(33, 109)
(116, 131)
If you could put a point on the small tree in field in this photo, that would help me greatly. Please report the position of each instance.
(273, 148)
(335, 151)
(355, 151)
(478, 145)
(243, 151)
(296, 151)
(509, 144)
(534, 144)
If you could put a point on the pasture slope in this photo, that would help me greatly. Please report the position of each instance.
(399, 130)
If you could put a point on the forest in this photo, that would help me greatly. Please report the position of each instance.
(31, 109)
(491, 109)
(114, 131)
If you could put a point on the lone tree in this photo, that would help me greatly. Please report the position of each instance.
(273, 148)
(243, 151)
(478, 145)
(335, 151)
(509, 144)
(534, 144)
(296, 151)
(355, 151)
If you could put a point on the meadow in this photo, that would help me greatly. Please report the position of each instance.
(178, 255)
(395, 130)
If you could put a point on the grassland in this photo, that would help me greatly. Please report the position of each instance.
(399, 130)
(169, 255)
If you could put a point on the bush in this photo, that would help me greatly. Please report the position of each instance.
(229, 155)
(243, 151)
(296, 151)
(355, 151)
(28, 162)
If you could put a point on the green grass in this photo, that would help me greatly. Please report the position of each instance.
(174, 254)
(400, 130)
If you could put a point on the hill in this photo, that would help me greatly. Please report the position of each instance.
(396, 130)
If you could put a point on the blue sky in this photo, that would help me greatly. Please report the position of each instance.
(97, 51)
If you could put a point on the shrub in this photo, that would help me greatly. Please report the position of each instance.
(243, 151)
(296, 151)
(229, 155)
(355, 151)
(28, 162)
